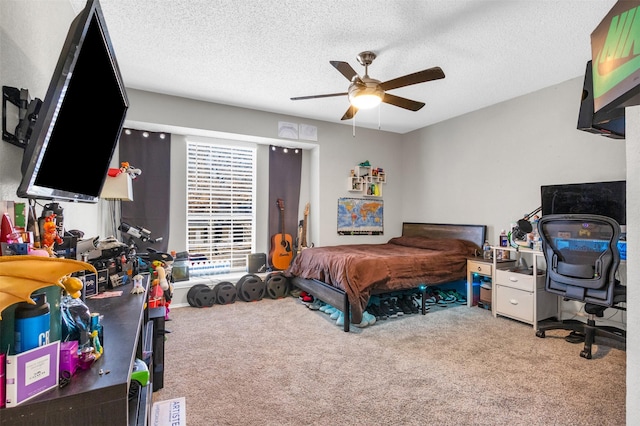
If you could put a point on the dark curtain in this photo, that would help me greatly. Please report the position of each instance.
(285, 166)
(149, 152)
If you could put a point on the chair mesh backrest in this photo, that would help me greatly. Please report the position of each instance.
(582, 256)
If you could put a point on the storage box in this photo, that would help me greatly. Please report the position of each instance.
(485, 294)
(103, 280)
(90, 284)
(69, 356)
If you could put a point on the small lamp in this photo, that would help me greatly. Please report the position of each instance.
(118, 187)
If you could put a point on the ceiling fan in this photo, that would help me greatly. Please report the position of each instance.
(366, 92)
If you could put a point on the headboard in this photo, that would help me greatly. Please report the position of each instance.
(474, 233)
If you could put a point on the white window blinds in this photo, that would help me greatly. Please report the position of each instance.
(220, 203)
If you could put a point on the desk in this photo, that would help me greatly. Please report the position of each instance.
(92, 398)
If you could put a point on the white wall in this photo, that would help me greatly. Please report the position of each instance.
(487, 167)
(633, 267)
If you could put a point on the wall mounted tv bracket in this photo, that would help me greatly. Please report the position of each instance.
(27, 114)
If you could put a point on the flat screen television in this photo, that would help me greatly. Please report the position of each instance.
(610, 123)
(601, 198)
(616, 69)
(76, 132)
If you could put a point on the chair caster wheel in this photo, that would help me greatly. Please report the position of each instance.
(540, 333)
(585, 354)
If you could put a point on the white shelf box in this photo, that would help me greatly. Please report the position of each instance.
(367, 180)
(354, 184)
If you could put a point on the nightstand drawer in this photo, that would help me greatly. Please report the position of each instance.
(515, 280)
(514, 303)
(481, 268)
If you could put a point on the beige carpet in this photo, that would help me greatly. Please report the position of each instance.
(275, 362)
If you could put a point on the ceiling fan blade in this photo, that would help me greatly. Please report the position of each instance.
(299, 98)
(402, 102)
(345, 69)
(434, 73)
(351, 112)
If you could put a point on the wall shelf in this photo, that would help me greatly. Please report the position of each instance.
(367, 180)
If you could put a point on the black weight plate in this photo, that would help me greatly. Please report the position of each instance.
(242, 281)
(277, 285)
(204, 298)
(225, 293)
(192, 292)
(252, 290)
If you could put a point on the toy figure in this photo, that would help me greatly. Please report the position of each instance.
(50, 233)
(162, 289)
(137, 285)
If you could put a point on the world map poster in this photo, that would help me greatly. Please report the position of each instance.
(360, 216)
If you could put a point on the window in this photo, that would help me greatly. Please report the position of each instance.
(220, 203)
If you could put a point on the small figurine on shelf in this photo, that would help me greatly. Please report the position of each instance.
(137, 285)
(50, 236)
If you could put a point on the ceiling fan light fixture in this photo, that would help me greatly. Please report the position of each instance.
(365, 97)
(365, 101)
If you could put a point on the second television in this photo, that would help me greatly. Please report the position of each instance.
(601, 198)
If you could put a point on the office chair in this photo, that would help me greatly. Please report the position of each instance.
(582, 259)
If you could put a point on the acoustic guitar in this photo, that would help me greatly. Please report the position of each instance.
(281, 252)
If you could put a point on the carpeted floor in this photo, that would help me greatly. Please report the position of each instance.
(275, 362)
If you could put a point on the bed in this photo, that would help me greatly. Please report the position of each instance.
(426, 254)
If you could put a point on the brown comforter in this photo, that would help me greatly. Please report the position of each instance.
(402, 263)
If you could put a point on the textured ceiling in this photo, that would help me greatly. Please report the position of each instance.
(259, 53)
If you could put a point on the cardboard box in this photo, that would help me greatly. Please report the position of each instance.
(485, 295)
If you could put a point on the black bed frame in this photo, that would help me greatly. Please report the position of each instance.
(338, 298)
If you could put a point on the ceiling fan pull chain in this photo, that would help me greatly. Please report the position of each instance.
(379, 117)
(354, 126)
